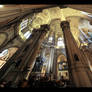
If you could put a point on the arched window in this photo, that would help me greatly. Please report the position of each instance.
(23, 24)
(3, 57)
(27, 34)
(60, 42)
(86, 13)
(6, 54)
(24, 30)
(50, 39)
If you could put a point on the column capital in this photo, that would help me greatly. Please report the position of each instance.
(65, 25)
(45, 27)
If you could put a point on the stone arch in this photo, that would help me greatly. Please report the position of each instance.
(61, 57)
(60, 60)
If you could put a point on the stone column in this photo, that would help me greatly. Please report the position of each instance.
(55, 65)
(76, 60)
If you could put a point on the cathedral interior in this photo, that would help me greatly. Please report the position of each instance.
(47, 46)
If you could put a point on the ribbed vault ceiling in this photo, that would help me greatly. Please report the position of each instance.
(52, 16)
